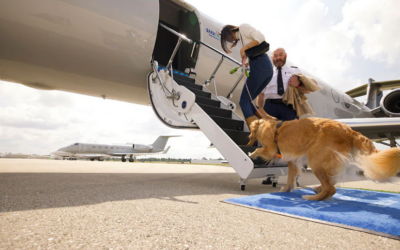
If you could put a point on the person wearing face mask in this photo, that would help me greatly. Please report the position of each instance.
(260, 67)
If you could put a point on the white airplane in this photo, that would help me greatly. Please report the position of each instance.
(126, 50)
(94, 151)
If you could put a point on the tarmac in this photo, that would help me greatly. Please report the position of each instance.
(47, 204)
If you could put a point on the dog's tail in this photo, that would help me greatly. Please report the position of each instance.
(377, 165)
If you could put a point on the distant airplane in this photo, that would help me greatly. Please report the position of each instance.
(94, 151)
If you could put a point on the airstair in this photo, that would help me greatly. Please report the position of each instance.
(180, 101)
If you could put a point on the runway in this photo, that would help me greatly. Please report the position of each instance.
(51, 204)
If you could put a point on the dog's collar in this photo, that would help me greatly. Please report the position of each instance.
(278, 154)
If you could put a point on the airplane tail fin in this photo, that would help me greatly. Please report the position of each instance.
(162, 141)
(166, 151)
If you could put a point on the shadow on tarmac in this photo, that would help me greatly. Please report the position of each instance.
(29, 191)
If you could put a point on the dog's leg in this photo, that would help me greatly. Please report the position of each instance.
(293, 172)
(256, 153)
(327, 187)
(317, 189)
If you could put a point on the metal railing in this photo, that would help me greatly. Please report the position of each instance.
(174, 94)
(181, 37)
(212, 77)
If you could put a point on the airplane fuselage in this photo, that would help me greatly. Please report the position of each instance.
(108, 149)
(104, 49)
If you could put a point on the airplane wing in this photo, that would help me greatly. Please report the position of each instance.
(91, 155)
(141, 154)
(376, 129)
(382, 85)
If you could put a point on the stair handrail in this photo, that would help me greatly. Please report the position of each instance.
(162, 83)
(212, 77)
(181, 38)
(221, 53)
(174, 94)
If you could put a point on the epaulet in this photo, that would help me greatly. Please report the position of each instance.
(293, 67)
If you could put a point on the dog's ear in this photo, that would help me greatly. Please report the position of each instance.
(253, 131)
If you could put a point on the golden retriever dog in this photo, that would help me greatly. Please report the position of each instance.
(328, 146)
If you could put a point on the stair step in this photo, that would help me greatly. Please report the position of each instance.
(200, 93)
(216, 111)
(208, 101)
(188, 84)
(184, 77)
(226, 123)
(239, 137)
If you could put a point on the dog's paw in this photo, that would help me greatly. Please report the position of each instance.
(311, 197)
(317, 190)
(251, 155)
(286, 189)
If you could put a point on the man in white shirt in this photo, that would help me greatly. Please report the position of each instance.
(275, 90)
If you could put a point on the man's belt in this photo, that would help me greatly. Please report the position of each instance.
(276, 101)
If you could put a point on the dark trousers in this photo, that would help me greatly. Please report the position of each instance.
(281, 111)
(260, 75)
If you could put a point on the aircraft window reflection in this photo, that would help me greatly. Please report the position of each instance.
(335, 96)
(347, 101)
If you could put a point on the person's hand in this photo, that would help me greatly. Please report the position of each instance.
(294, 81)
(242, 52)
(247, 64)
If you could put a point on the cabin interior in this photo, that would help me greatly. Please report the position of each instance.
(184, 21)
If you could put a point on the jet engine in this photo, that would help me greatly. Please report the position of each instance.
(390, 103)
(142, 148)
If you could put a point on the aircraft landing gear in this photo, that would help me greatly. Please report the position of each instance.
(91, 159)
(123, 159)
(392, 141)
(131, 159)
(243, 184)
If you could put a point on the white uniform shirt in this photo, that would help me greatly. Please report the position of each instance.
(249, 34)
(271, 91)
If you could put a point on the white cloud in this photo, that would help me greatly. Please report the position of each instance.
(378, 25)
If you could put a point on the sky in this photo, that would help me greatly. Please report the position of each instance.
(341, 42)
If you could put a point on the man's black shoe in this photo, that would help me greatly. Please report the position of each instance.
(267, 181)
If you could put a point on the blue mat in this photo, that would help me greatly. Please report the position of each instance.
(367, 211)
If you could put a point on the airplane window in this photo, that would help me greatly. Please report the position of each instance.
(93, 147)
(347, 101)
(75, 144)
(112, 147)
(100, 147)
(117, 148)
(105, 147)
(335, 96)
